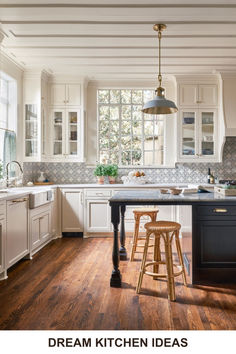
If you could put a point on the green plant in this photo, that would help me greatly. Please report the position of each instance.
(99, 170)
(111, 170)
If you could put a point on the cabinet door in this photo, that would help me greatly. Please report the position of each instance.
(2, 243)
(54, 213)
(17, 245)
(207, 95)
(98, 216)
(72, 210)
(58, 94)
(188, 95)
(45, 227)
(188, 133)
(72, 132)
(58, 132)
(73, 94)
(34, 230)
(207, 128)
(31, 131)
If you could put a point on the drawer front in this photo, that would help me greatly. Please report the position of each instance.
(217, 211)
(98, 193)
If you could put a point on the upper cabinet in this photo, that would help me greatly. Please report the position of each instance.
(198, 95)
(65, 94)
(198, 121)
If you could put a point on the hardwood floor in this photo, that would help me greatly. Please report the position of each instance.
(66, 286)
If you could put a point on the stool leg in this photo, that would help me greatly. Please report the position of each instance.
(169, 267)
(135, 237)
(178, 247)
(142, 269)
(157, 255)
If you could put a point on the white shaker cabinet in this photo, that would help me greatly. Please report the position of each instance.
(2, 239)
(17, 240)
(198, 95)
(40, 226)
(72, 212)
(65, 94)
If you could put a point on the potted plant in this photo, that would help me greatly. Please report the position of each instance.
(99, 172)
(112, 173)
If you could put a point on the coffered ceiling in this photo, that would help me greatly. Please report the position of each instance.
(115, 39)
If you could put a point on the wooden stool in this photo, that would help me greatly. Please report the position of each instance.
(138, 213)
(166, 230)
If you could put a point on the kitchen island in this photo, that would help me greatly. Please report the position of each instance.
(211, 254)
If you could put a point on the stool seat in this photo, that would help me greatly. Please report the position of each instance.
(162, 226)
(145, 210)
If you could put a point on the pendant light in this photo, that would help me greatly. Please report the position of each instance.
(159, 105)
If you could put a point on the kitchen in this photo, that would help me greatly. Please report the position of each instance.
(75, 79)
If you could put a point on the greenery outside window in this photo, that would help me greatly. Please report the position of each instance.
(126, 136)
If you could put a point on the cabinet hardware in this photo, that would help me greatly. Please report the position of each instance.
(19, 200)
(198, 101)
(220, 210)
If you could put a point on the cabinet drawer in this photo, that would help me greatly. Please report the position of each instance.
(217, 211)
(98, 193)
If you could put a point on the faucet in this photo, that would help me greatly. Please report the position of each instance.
(7, 169)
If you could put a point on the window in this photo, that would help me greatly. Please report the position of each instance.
(8, 103)
(126, 136)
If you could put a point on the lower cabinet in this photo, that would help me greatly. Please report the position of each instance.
(17, 240)
(98, 215)
(2, 239)
(72, 212)
(54, 211)
(40, 226)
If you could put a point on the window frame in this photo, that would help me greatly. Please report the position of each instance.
(141, 165)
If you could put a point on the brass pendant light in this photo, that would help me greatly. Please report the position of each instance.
(159, 105)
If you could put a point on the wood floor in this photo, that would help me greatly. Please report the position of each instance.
(66, 286)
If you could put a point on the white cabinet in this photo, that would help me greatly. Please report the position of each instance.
(72, 210)
(2, 239)
(40, 226)
(198, 95)
(66, 137)
(17, 240)
(197, 135)
(54, 212)
(65, 94)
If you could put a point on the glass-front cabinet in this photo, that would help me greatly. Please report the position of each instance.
(65, 133)
(31, 130)
(197, 129)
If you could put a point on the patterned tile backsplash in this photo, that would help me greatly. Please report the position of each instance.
(71, 172)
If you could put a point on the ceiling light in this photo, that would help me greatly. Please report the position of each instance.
(159, 105)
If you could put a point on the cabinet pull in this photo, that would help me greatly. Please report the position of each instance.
(19, 200)
(198, 101)
(220, 210)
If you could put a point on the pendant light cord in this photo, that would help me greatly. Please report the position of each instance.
(159, 57)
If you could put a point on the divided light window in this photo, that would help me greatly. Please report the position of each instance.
(127, 136)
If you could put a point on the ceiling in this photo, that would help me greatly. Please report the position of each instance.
(115, 39)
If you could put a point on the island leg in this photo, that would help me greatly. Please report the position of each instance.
(115, 280)
(123, 253)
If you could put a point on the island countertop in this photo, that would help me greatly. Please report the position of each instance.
(131, 197)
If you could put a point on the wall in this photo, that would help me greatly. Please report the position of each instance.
(187, 172)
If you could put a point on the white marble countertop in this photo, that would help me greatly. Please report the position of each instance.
(19, 192)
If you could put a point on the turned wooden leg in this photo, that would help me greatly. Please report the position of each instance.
(115, 280)
(142, 269)
(135, 237)
(123, 253)
(169, 268)
(178, 247)
(156, 255)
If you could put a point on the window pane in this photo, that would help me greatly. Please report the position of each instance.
(104, 143)
(126, 142)
(158, 142)
(148, 128)
(114, 96)
(136, 157)
(114, 158)
(114, 142)
(104, 112)
(148, 143)
(126, 128)
(125, 96)
(137, 113)
(137, 96)
(114, 112)
(114, 127)
(148, 158)
(126, 158)
(137, 143)
(158, 127)
(126, 112)
(104, 128)
(104, 156)
(103, 96)
(147, 95)
(137, 128)
(158, 157)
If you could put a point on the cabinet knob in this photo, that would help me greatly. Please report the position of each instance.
(198, 101)
(220, 210)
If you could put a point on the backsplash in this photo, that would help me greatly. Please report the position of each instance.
(72, 172)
